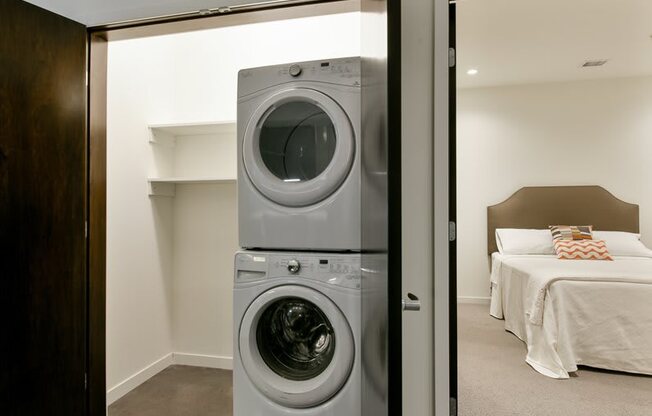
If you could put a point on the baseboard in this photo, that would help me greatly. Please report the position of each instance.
(180, 358)
(199, 360)
(124, 387)
(478, 300)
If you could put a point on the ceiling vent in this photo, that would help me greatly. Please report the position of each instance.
(594, 63)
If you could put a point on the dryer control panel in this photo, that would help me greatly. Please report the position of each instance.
(340, 71)
(336, 269)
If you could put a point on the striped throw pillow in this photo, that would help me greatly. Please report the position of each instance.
(571, 232)
(582, 250)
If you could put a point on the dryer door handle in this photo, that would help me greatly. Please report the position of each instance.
(412, 303)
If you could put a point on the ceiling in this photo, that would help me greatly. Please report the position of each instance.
(101, 12)
(538, 41)
(507, 41)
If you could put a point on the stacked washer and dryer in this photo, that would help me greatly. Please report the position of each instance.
(297, 290)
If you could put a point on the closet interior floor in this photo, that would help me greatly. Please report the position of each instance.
(180, 391)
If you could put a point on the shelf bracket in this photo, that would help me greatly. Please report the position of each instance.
(161, 189)
(162, 139)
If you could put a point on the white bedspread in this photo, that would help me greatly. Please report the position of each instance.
(569, 313)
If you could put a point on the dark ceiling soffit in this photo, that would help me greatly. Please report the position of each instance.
(205, 13)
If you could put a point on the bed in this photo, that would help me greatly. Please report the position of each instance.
(573, 312)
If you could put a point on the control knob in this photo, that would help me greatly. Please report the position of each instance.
(295, 70)
(294, 266)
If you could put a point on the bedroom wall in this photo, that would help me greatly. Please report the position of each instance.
(577, 133)
(170, 260)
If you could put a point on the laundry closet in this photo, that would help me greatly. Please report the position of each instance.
(172, 226)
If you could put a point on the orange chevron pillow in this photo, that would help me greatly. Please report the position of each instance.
(582, 250)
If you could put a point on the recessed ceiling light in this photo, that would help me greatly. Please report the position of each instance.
(472, 71)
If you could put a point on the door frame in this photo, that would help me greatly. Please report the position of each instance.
(98, 39)
(394, 212)
(444, 256)
(96, 215)
(452, 202)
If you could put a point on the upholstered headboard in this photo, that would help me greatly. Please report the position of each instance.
(539, 207)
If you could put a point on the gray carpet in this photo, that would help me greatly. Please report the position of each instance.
(495, 380)
(180, 391)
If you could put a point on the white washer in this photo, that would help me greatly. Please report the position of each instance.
(297, 334)
(299, 154)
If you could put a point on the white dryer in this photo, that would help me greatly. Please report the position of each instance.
(297, 334)
(299, 156)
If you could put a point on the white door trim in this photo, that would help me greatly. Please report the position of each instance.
(441, 200)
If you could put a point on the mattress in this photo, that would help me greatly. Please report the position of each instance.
(571, 313)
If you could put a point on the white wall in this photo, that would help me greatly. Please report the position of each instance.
(205, 240)
(169, 260)
(579, 133)
(139, 230)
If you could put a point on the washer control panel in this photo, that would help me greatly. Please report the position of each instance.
(336, 269)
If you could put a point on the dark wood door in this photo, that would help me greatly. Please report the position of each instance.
(42, 212)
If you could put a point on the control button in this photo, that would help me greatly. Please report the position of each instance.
(294, 266)
(295, 70)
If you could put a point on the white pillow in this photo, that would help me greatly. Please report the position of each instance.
(521, 241)
(620, 243)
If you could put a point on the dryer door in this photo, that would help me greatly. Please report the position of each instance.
(298, 147)
(296, 346)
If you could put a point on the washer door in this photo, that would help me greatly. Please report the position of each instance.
(298, 147)
(296, 346)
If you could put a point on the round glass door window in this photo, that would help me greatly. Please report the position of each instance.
(295, 339)
(298, 147)
(296, 346)
(297, 141)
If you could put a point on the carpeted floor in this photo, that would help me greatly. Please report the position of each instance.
(180, 391)
(494, 379)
